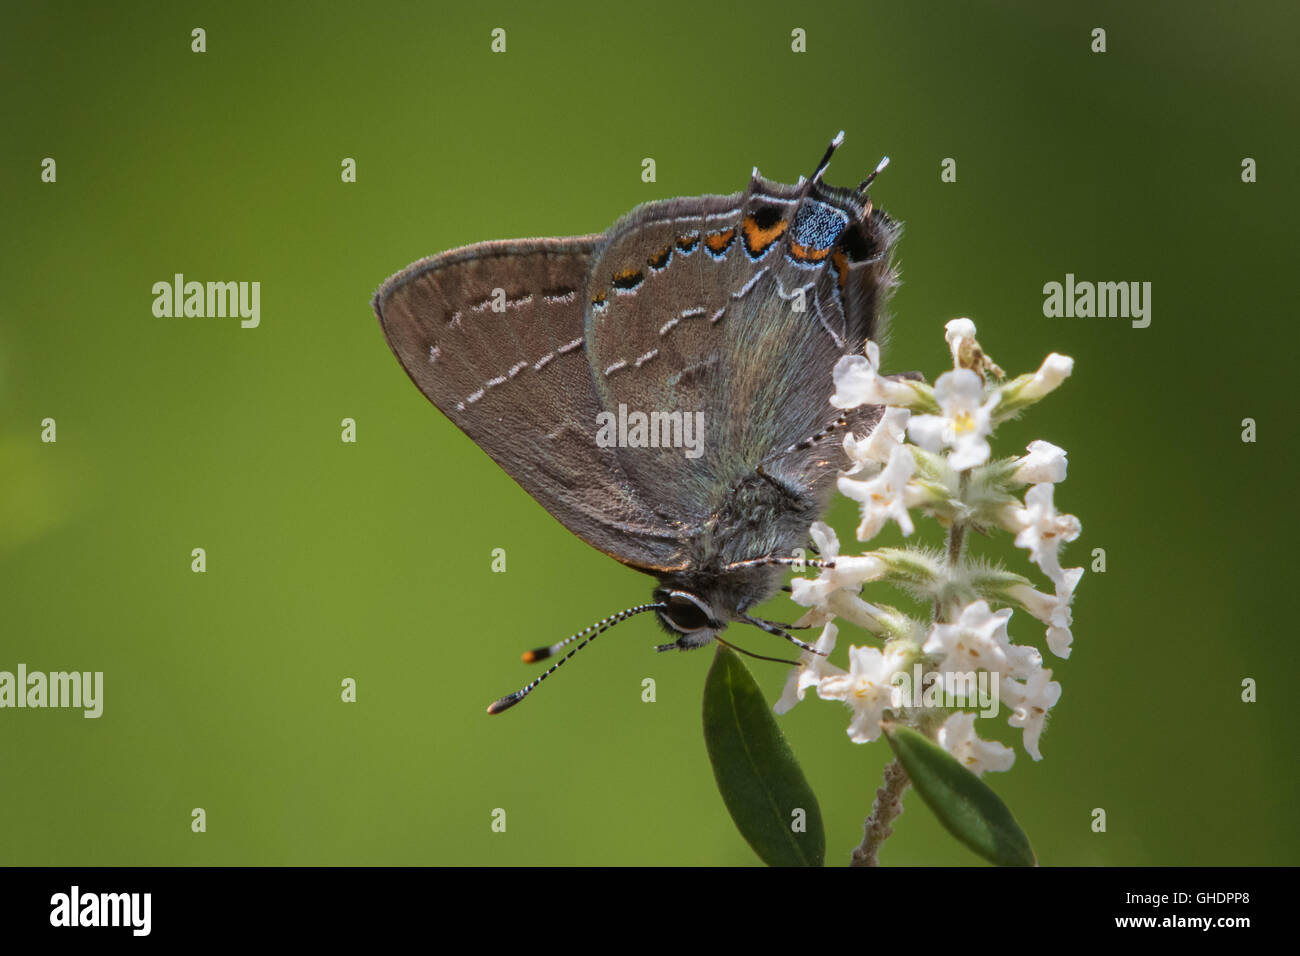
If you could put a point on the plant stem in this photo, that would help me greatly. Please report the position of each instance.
(956, 539)
(887, 808)
(956, 543)
(888, 805)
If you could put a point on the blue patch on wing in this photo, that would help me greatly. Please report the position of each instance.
(817, 225)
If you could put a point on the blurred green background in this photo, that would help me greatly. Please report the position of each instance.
(371, 560)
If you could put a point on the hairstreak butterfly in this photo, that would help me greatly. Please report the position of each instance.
(726, 311)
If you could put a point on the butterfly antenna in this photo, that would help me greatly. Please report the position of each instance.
(826, 157)
(587, 635)
(880, 168)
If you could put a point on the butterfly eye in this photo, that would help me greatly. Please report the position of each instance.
(686, 613)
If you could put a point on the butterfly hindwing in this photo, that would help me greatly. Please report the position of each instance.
(736, 307)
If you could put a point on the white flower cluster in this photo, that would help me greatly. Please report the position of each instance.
(945, 472)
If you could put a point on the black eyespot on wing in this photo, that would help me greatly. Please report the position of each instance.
(765, 217)
(628, 279)
(660, 259)
(859, 242)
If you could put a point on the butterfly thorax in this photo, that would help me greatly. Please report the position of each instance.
(765, 516)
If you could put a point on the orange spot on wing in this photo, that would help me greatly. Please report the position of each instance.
(718, 241)
(627, 279)
(841, 263)
(758, 239)
(808, 253)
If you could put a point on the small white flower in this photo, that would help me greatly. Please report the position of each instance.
(1042, 530)
(1055, 369)
(957, 736)
(867, 688)
(874, 451)
(851, 607)
(1026, 662)
(976, 641)
(1044, 463)
(846, 603)
(858, 382)
(817, 616)
(1052, 610)
(884, 496)
(964, 425)
(1029, 702)
(812, 669)
(827, 541)
(850, 571)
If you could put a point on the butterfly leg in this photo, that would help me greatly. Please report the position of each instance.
(798, 563)
(788, 627)
(807, 443)
(688, 642)
(779, 631)
(839, 424)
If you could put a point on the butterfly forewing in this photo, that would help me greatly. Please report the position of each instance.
(494, 336)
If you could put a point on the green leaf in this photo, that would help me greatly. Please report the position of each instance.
(964, 804)
(760, 781)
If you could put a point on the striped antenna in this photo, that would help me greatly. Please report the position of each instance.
(542, 653)
(826, 158)
(880, 168)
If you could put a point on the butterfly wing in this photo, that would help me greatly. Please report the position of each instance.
(737, 307)
(493, 334)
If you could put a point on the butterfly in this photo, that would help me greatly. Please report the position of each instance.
(726, 311)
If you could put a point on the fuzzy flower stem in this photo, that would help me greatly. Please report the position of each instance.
(956, 539)
(956, 543)
(888, 805)
(887, 808)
